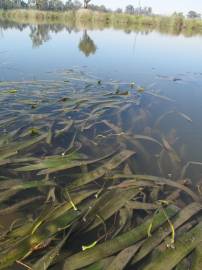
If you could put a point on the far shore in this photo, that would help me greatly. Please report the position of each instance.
(84, 18)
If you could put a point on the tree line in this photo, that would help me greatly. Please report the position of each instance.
(59, 5)
(69, 5)
(50, 5)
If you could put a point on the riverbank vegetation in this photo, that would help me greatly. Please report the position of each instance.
(89, 19)
(93, 16)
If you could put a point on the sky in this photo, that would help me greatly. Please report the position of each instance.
(159, 6)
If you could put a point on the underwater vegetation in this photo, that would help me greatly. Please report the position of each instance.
(90, 179)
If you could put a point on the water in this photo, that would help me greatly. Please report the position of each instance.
(92, 91)
(32, 51)
(169, 63)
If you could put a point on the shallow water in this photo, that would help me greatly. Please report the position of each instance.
(168, 63)
(96, 93)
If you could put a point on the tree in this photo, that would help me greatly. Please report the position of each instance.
(147, 11)
(58, 5)
(41, 4)
(69, 4)
(150, 10)
(51, 4)
(102, 8)
(129, 9)
(178, 14)
(31, 3)
(77, 4)
(119, 10)
(8, 4)
(23, 4)
(193, 14)
(86, 2)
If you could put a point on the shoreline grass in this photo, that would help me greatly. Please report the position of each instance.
(89, 19)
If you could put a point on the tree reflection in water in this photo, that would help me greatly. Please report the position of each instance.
(87, 45)
(39, 34)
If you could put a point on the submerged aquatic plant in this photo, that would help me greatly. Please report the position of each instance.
(99, 168)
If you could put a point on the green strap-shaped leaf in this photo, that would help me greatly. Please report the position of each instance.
(168, 259)
(119, 243)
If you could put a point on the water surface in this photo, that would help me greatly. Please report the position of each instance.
(90, 94)
(164, 62)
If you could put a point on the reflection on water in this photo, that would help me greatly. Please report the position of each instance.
(86, 44)
(39, 34)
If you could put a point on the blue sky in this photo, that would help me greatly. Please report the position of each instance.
(159, 6)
